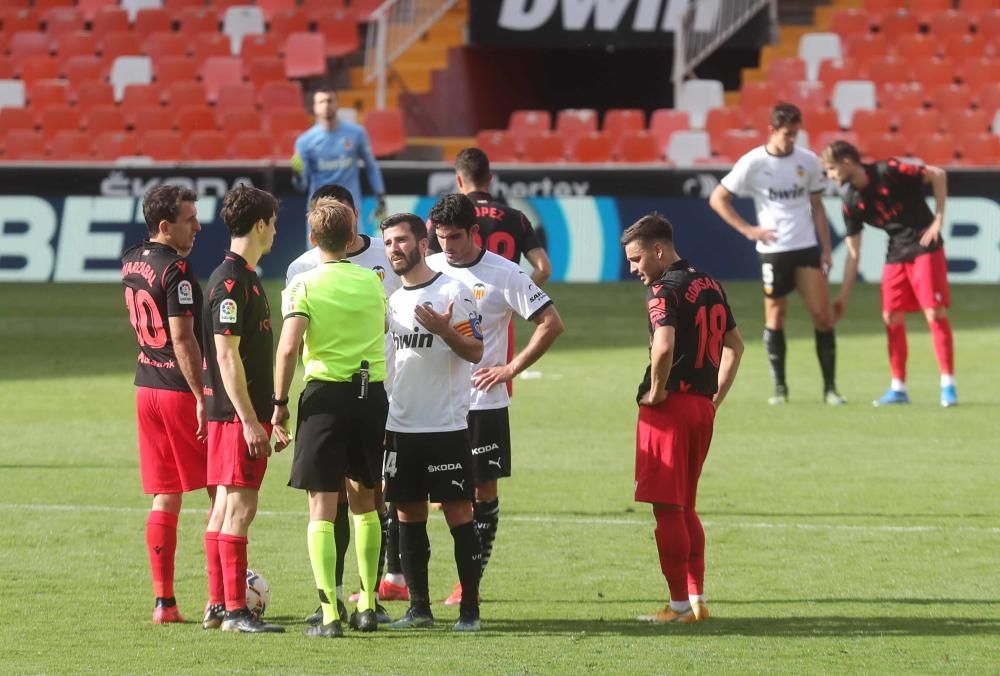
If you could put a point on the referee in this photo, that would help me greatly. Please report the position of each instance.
(337, 311)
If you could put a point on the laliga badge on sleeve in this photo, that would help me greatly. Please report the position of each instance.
(227, 311)
(185, 295)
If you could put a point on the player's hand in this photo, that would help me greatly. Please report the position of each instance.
(380, 211)
(202, 433)
(759, 234)
(652, 399)
(258, 440)
(432, 321)
(826, 262)
(279, 421)
(931, 235)
(839, 308)
(485, 378)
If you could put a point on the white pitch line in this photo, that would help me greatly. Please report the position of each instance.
(577, 521)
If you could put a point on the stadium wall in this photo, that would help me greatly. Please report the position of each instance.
(72, 224)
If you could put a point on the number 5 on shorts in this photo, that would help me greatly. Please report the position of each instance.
(389, 468)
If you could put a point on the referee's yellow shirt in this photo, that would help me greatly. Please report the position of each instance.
(346, 308)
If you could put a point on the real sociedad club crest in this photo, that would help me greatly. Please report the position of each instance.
(380, 271)
(479, 291)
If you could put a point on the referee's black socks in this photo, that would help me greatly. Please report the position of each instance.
(468, 560)
(414, 554)
(774, 343)
(487, 517)
(826, 352)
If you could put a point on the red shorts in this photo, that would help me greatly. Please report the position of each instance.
(671, 444)
(916, 285)
(171, 458)
(228, 461)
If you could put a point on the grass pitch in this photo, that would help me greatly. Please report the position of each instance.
(845, 539)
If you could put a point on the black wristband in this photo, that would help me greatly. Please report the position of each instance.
(279, 402)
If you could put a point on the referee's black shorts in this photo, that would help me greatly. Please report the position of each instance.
(338, 435)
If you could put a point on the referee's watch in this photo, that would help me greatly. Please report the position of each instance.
(279, 402)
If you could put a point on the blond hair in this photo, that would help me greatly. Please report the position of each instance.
(332, 224)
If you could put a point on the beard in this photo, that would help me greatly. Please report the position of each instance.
(408, 263)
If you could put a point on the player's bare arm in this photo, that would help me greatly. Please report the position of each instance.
(189, 361)
(721, 201)
(468, 348)
(234, 379)
(822, 230)
(542, 266)
(285, 359)
(732, 353)
(853, 243)
(938, 180)
(661, 359)
(548, 327)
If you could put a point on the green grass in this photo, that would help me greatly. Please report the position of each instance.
(840, 540)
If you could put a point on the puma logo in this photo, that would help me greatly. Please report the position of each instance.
(460, 484)
(494, 462)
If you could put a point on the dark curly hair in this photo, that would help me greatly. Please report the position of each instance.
(244, 206)
(454, 211)
(163, 203)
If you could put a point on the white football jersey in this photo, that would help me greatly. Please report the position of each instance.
(372, 255)
(431, 390)
(781, 187)
(501, 288)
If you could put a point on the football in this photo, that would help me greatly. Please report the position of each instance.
(258, 593)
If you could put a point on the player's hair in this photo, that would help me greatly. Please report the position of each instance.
(417, 225)
(323, 89)
(474, 166)
(332, 224)
(454, 210)
(838, 151)
(163, 203)
(336, 191)
(785, 114)
(244, 206)
(654, 226)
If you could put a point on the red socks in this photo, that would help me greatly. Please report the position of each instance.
(233, 554)
(213, 561)
(161, 544)
(674, 546)
(896, 333)
(944, 347)
(696, 561)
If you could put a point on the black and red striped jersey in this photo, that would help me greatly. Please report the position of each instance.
(237, 306)
(159, 284)
(893, 201)
(695, 305)
(503, 229)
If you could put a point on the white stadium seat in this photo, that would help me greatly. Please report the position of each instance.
(133, 6)
(815, 48)
(242, 20)
(685, 147)
(851, 95)
(12, 94)
(128, 70)
(698, 97)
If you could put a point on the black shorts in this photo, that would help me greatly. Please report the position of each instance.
(338, 435)
(777, 270)
(419, 465)
(489, 432)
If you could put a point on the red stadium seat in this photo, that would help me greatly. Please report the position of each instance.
(758, 120)
(42, 5)
(208, 45)
(967, 121)
(720, 120)
(20, 20)
(865, 47)
(947, 24)
(804, 94)
(914, 123)
(544, 147)
(884, 5)
(44, 93)
(639, 146)
(16, 118)
(25, 44)
(76, 43)
(36, 68)
(163, 146)
(180, 94)
(314, 8)
(952, 97)
(272, 7)
(735, 143)
(591, 147)
(162, 45)
(175, 7)
(664, 122)
(110, 145)
(340, 31)
(871, 123)
(498, 145)
(264, 70)
(987, 22)
(886, 69)
(935, 148)
(205, 146)
(789, 68)
(617, 121)
(882, 146)
(572, 123)
(819, 120)
(363, 8)
(103, 118)
(925, 9)
(385, 129)
(978, 73)
(823, 140)
(259, 46)
(240, 96)
(934, 73)
(989, 99)
(24, 144)
(218, 71)
(847, 22)
(93, 93)
(285, 120)
(91, 9)
(960, 48)
(754, 95)
(60, 20)
(832, 72)
(274, 95)
(170, 69)
(897, 97)
(152, 119)
(979, 149)
(978, 5)
(525, 122)
(897, 24)
(80, 69)
(138, 97)
(114, 45)
(197, 20)
(108, 19)
(914, 48)
(250, 145)
(235, 121)
(6, 68)
(70, 146)
(305, 55)
(196, 118)
(152, 20)
(285, 22)
(221, 6)
(55, 119)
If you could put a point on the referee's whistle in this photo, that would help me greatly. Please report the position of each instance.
(364, 380)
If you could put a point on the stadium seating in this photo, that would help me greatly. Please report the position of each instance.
(385, 130)
(814, 48)
(498, 144)
(687, 147)
(639, 146)
(544, 147)
(572, 124)
(851, 95)
(24, 144)
(591, 147)
(242, 20)
(697, 97)
(111, 145)
(617, 121)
